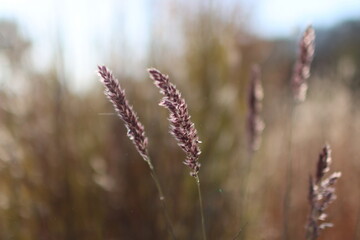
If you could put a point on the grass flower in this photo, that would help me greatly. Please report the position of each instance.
(302, 66)
(181, 128)
(180, 125)
(116, 95)
(321, 195)
(136, 133)
(255, 125)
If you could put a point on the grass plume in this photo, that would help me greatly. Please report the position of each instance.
(321, 195)
(181, 128)
(303, 63)
(136, 133)
(116, 96)
(255, 125)
(299, 87)
(180, 125)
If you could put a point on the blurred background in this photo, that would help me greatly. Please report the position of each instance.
(68, 170)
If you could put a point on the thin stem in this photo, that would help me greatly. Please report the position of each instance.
(162, 199)
(289, 173)
(201, 207)
(245, 190)
(310, 231)
(357, 228)
(242, 191)
(240, 232)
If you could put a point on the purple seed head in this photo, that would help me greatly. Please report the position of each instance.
(303, 63)
(116, 95)
(321, 195)
(255, 124)
(181, 127)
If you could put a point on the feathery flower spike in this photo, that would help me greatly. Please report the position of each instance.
(180, 125)
(116, 95)
(321, 195)
(255, 124)
(302, 66)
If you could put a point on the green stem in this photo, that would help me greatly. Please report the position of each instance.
(161, 198)
(201, 207)
(245, 191)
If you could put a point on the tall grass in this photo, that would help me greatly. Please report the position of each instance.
(299, 86)
(136, 133)
(68, 170)
(182, 129)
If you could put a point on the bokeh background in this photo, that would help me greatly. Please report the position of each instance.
(67, 169)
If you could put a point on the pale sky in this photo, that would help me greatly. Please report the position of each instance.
(86, 26)
(282, 17)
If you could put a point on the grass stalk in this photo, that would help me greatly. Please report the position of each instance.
(182, 129)
(299, 86)
(357, 227)
(245, 191)
(289, 173)
(201, 207)
(254, 127)
(136, 132)
(169, 224)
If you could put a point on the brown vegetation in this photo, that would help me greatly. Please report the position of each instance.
(68, 170)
